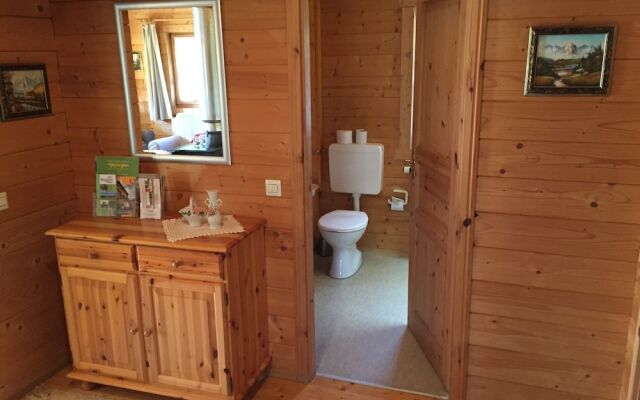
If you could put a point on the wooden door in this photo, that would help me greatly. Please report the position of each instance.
(434, 128)
(103, 322)
(184, 333)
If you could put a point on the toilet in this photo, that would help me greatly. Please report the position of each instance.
(355, 169)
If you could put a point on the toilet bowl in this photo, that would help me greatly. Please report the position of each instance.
(342, 229)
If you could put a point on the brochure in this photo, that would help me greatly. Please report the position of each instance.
(151, 188)
(116, 186)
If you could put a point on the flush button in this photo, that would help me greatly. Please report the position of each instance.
(273, 188)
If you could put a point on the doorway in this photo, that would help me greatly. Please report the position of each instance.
(362, 77)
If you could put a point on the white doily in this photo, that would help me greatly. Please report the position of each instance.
(178, 229)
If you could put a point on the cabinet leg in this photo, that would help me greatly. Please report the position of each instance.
(88, 385)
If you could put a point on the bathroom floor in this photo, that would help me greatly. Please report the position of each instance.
(361, 327)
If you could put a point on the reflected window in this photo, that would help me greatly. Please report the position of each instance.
(188, 74)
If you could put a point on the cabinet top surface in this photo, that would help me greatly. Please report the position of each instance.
(149, 233)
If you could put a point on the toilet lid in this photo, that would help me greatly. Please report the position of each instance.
(343, 221)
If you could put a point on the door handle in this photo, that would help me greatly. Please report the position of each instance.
(175, 264)
(133, 331)
(408, 166)
(147, 332)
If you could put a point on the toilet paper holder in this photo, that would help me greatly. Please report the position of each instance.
(397, 203)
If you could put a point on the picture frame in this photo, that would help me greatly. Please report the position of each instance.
(137, 61)
(569, 60)
(24, 91)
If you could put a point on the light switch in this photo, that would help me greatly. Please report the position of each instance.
(273, 188)
(4, 203)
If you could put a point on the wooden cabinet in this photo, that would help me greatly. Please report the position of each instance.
(185, 319)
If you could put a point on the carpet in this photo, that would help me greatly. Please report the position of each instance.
(361, 327)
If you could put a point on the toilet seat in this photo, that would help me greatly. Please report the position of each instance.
(343, 221)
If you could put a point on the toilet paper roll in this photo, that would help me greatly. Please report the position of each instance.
(396, 204)
(344, 136)
(361, 136)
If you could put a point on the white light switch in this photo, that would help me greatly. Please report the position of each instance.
(4, 203)
(273, 188)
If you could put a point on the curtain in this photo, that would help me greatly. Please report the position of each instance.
(159, 102)
(203, 31)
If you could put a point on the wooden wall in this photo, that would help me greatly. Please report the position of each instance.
(362, 76)
(558, 228)
(36, 173)
(261, 57)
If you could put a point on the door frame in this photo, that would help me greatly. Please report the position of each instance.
(298, 49)
(470, 74)
(471, 39)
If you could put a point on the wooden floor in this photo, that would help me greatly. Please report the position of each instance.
(272, 389)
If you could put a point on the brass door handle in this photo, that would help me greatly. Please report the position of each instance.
(175, 264)
(133, 331)
(147, 332)
(92, 255)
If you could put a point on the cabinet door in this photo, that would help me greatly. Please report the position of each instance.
(103, 322)
(184, 333)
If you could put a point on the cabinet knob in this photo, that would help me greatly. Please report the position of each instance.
(92, 255)
(147, 332)
(175, 264)
(133, 331)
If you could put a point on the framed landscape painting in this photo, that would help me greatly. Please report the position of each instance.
(137, 61)
(574, 60)
(24, 91)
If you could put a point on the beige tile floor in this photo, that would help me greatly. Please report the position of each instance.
(361, 327)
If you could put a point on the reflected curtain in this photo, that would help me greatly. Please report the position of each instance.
(158, 94)
(203, 32)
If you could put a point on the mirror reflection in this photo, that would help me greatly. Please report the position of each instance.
(175, 79)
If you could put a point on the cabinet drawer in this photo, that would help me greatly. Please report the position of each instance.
(96, 255)
(179, 261)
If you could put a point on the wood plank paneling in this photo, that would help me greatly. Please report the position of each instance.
(593, 348)
(541, 371)
(262, 138)
(557, 237)
(507, 9)
(489, 389)
(31, 165)
(581, 162)
(600, 240)
(501, 300)
(581, 122)
(28, 8)
(36, 174)
(38, 35)
(507, 39)
(606, 202)
(572, 274)
(44, 131)
(360, 47)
